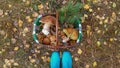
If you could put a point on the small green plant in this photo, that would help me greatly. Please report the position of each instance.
(70, 12)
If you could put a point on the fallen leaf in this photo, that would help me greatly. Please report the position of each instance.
(76, 59)
(40, 6)
(111, 39)
(27, 46)
(27, 2)
(99, 31)
(87, 66)
(16, 64)
(100, 22)
(2, 32)
(24, 0)
(27, 17)
(12, 60)
(6, 61)
(85, 15)
(48, 59)
(0, 52)
(94, 64)
(20, 22)
(14, 29)
(114, 5)
(106, 20)
(98, 8)
(90, 10)
(88, 30)
(114, 15)
(3, 50)
(29, 20)
(5, 66)
(13, 40)
(35, 14)
(25, 30)
(9, 5)
(32, 60)
(16, 48)
(105, 43)
(79, 51)
(86, 6)
(1, 12)
(98, 43)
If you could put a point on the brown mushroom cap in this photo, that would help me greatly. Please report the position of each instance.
(71, 33)
(48, 20)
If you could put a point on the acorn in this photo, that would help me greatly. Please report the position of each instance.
(46, 41)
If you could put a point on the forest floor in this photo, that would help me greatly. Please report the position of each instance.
(99, 47)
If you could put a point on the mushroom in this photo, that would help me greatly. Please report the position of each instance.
(46, 41)
(52, 39)
(71, 34)
(48, 22)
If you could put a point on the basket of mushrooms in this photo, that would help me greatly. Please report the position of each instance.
(59, 30)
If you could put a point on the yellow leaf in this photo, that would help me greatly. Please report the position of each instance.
(35, 14)
(87, 66)
(16, 48)
(14, 29)
(9, 5)
(20, 23)
(27, 2)
(48, 59)
(111, 39)
(99, 31)
(0, 52)
(106, 20)
(1, 12)
(79, 51)
(98, 8)
(113, 14)
(94, 64)
(27, 17)
(40, 6)
(86, 6)
(25, 30)
(114, 5)
(90, 10)
(29, 20)
(3, 50)
(88, 27)
(12, 60)
(98, 43)
(76, 59)
(16, 64)
(88, 30)
(32, 60)
(85, 15)
(100, 22)
(27, 46)
(7, 61)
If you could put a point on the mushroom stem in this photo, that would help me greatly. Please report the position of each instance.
(46, 29)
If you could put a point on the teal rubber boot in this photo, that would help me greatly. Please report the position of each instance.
(55, 60)
(66, 60)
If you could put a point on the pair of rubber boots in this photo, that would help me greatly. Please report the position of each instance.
(66, 60)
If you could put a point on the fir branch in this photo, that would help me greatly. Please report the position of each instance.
(70, 12)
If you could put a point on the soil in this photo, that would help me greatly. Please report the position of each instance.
(99, 47)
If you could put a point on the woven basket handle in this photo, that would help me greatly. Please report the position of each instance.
(56, 28)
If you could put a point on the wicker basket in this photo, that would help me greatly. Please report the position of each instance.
(37, 23)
